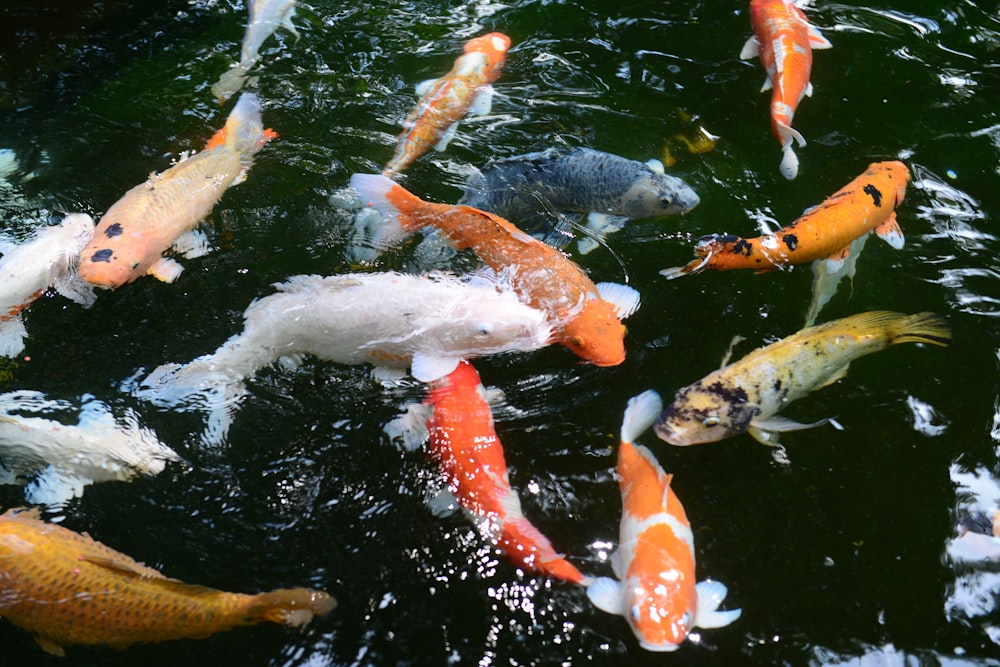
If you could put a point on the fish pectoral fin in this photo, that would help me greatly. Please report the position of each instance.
(482, 102)
(192, 244)
(751, 49)
(443, 504)
(765, 431)
(49, 646)
(410, 428)
(427, 368)
(890, 232)
(388, 373)
(808, 92)
(834, 262)
(710, 596)
(74, 288)
(625, 299)
(424, 86)
(817, 40)
(166, 269)
(767, 85)
(448, 135)
(605, 593)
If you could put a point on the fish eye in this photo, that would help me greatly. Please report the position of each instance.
(666, 202)
(577, 341)
(485, 329)
(710, 422)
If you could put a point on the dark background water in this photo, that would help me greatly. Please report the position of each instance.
(838, 554)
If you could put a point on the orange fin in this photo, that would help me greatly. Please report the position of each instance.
(49, 646)
(890, 232)
(217, 140)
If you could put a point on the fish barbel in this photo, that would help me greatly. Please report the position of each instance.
(66, 588)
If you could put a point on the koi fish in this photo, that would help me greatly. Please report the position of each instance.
(586, 317)
(390, 320)
(747, 395)
(464, 441)
(784, 40)
(27, 269)
(535, 188)
(655, 559)
(266, 16)
(465, 90)
(163, 212)
(825, 231)
(827, 274)
(66, 588)
(61, 459)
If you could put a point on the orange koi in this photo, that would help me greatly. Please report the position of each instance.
(784, 40)
(66, 588)
(655, 559)
(465, 90)
(586, 317)
(866, 204)
(464, 440)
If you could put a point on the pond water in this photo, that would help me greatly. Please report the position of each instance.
(838, 554)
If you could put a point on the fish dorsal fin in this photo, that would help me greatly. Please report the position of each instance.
(131, 569)
(751, 49)
(625, 299)
(166, 269)
(656, 166)
(24, 513)
(890, 232)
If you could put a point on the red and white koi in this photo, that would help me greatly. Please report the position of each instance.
(465, 90)
(784, 40)
(655, 560)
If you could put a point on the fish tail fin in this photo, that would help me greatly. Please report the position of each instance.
(12, 335)
(229, 83)
(522, 541)
(385, 195)
(291, 606)
(641, 412)
(920, 328)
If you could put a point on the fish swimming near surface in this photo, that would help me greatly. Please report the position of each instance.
(47, 259)
(390, 320)
(586, 317)
(459, 426)
(655, 561)
(266, 16)
(827, 274)
(784, 39)
(536, 189)
(866, 204)
(65, 588)
(58, 459)
(464, 91)
(164, 211)
(747, 395)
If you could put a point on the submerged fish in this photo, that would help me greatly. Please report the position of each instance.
(163, 212)
(465, 90)
(66, 588)
(463, 439)
(827, 274)
(390, 320)
(866, 204)
(60, 459)
(47, 259)
(747, 395)
(266, 16)
(655, 559)
(586, 317)
(784, 40)
(532, 190)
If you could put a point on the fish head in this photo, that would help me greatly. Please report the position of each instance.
(655, 195)
(494, 47)
(595, 334)
(705, 412)
(900, 175)
(494, 323)
(662, 599)
(102, 265)
(77, 230)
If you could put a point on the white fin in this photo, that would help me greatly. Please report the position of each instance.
(789, 163)
(606, 594)
(76, 289)
(890, 232)
(783, 424)
(166, 269)
(12, 335)
(192, 244)
(54, 488)
(624, 298)
(409, 430)
(373, 190)
(443, 504)
(388, 374)
(422, 87)
(767, 85)
(641, 412)
(751, 49)
(817, 40)
(808, 92)
(482, 102)
(427, 368)
(710, 596)
(656, 166)
(446, 138)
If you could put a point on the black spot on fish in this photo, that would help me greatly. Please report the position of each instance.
(875, 194)
(113, 231)
(790, 240)
(103, 255)
(743, 247)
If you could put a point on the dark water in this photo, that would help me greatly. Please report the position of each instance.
(839, 554)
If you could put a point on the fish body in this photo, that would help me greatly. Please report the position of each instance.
(465, 90)
(66, 588)
(655, 559)
(534, 189)
(163, 212)
(47, 259)
(463, 439)
(784, 40)
(63, 458)
(826, 231)
(586, 317)
(747, 395)
(266, 16)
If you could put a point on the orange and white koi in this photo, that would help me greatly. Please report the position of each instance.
(47, 259)
(655, 559)
(586, 317)
(463, 439)
(866, 204)
(66, 588)
(164, 211)
(465, 90)
(266, 16)
(784, 40)
(747, 395)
